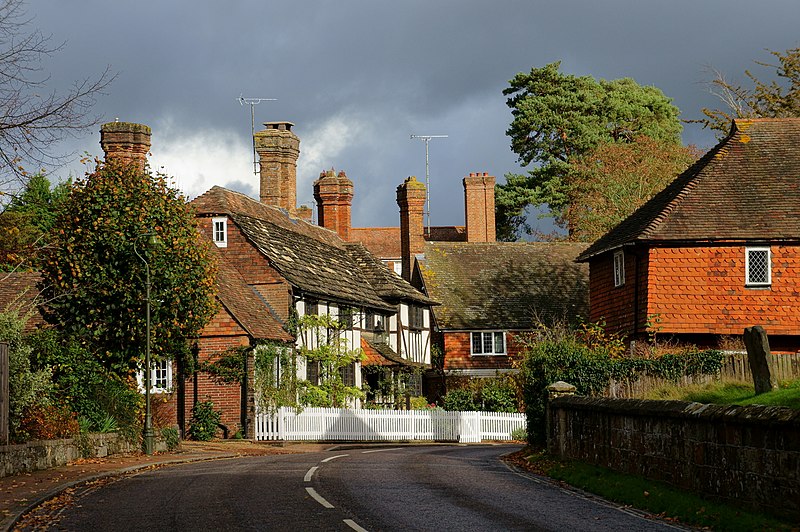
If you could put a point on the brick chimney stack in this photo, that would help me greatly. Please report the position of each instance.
(334, 195)
(411, 200)
(125, 142)
(479, 207)
(278, 149)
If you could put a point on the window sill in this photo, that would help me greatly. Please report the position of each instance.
(758, 286)
(488, 354)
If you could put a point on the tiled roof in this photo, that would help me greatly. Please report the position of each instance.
(746, 188)
(381, 354)
(384, 242)
(386, 283)
(311, 258)
(500, 285)
(19, 291)
(247, 307)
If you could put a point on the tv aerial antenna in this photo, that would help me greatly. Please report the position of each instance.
(427, 139)
(252, 102)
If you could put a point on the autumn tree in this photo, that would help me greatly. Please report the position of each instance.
(772, 98)
(559, 118)
(94, 278)
(35, 117)
(616, 178)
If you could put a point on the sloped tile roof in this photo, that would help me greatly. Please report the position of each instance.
(384, 242)
(19, 291)
(501, 285)
(386, 283)
(382, 354)
(311, 258)
(746, 188)
(247, 307)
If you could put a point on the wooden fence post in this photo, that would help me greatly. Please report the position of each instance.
(760, 358)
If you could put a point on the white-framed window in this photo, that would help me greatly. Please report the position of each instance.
(619, 268)
(488, 343)
(160, 377)
(758, 266)
(219, 226)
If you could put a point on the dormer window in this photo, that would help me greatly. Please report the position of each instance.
(219, 227)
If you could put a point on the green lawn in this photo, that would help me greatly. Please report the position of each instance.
(733, 393)
(744, 394)
(655, 497)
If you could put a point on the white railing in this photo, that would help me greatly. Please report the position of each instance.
(339, 424)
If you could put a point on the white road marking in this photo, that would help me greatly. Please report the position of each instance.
(352, 524)
(317, 497)
(381, 450)
(310, 474)
(334, 457)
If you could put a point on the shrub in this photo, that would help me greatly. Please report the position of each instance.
(171, 437)
(460, 399)
(590, 368)
(497, 395)
(49, 422)
(29, 388)
(204, 422)
(519, 434)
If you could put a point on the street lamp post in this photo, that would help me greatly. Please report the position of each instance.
(148, 436)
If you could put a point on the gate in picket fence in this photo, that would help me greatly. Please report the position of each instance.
(340, 424)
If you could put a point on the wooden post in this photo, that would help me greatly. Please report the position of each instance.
(4, 398)
(760, 359)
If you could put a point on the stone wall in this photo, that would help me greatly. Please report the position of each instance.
(743, 455)
(45, 454)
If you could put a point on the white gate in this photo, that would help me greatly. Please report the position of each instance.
(339, 424)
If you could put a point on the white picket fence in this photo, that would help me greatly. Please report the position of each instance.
(339, 424)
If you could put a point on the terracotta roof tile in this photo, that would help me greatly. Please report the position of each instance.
(247, 307)
(500, 285)
(381, 354)
(746, 188)
(384, 242)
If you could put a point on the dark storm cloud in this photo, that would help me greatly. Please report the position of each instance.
(358, 77)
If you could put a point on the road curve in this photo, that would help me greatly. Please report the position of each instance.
(405, 488)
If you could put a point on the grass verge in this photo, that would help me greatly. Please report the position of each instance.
(732, 393)
(659, 499)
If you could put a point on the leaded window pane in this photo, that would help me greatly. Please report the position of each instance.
(499, 343)
(476, 343)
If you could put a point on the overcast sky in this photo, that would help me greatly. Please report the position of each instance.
(358, 77)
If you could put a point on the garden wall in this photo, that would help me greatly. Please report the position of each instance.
(738, 454)
(45, 454)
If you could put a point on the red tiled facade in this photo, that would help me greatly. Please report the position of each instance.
(458, 353)
(696, 291)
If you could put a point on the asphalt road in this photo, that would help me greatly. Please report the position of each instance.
(405, 488)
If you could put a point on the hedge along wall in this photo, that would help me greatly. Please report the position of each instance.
(738, 454)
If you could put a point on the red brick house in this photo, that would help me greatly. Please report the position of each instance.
(716, 251)
(492, 291)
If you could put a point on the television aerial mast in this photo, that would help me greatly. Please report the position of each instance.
(252, 102)
(427, 139)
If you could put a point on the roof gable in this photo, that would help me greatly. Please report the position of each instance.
(500, 285)
(313, 259)
(746, 188)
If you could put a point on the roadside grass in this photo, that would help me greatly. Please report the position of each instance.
(733, 393)
(657, 498)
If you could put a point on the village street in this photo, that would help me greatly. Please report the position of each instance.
(394, 488)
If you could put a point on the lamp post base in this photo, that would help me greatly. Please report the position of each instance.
(149, 442)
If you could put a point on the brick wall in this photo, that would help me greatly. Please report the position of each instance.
(743, 455)
(252, 265)
(222, 333)
(616, 305)
(457, 353)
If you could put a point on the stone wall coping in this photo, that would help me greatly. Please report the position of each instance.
(752, 414)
